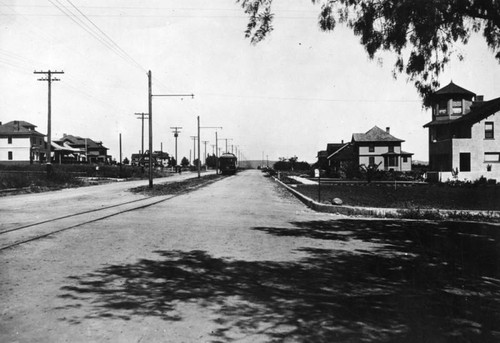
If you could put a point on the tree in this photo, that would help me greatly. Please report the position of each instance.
(211, 161)
(369, 171)
(286, 164)
(184, 162)
(172, 162)
(420, 32)
(126, 161)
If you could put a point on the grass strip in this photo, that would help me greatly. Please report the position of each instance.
(179, 187)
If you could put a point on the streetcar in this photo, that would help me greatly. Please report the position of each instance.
(228, 164)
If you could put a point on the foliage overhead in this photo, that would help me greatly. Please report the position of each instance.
(421, 33)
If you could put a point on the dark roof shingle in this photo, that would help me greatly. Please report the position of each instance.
(375, 134)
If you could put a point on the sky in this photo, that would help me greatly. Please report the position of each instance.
(287, 96)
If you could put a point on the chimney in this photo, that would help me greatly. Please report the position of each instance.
(388, 129)
(342, 141)
(479, 98)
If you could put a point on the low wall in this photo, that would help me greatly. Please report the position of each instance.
(369, 211)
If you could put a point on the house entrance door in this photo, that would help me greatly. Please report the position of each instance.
(465, 161)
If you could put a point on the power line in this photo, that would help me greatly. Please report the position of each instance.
(49, 80)
(99, 35)
(305, 98)
(109, 38)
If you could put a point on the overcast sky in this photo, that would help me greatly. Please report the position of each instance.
(289, 95)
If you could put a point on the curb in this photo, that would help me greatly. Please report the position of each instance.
(369, 211)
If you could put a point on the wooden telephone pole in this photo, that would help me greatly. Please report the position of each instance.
(176, 134)
(150, 106)
(49, 80)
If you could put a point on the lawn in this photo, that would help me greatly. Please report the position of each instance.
(427, 196)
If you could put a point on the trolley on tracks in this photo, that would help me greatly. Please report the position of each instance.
(228, 164)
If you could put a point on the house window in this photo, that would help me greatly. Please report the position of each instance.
(371, 148)
(465, 161)
(9, 140)
(488, 130)
(442, 107)
(10, 156)
(392, 161)
(492, 157)
(405, 159)
(391, 148)
(457, 106)
(371, 160)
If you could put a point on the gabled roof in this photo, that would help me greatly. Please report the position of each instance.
(332, 147)
(477, 113)
(81, 142)
(322, 153)
(375, 134)
(453, 89)
(65, 147)
(344, 153)
(19, 128)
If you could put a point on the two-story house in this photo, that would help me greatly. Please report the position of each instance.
(375, 147)
(464, 136)
(21, 143)
(379, 147)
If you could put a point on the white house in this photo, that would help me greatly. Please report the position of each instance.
(21, 143)
(379, 147)
(464, 135)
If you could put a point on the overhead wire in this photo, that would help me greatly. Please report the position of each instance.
(109, 39)
(99, 36)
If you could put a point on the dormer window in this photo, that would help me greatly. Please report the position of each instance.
(457, 106)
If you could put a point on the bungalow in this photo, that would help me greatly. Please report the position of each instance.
(21, 143)
(82, 150)
(464, 135)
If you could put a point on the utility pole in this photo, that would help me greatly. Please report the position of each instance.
(150, 109)
(161, 154)
(150, 103)
(199, 159)
(194, 149)
(216, 128)
(176, 134)
(120, 156)
(142, 119)
(205, 157)
(226, 139)
(49, 80)
(216, 154)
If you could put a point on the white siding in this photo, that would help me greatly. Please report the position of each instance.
(20, 148)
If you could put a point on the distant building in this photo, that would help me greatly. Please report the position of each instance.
(375, 147)
(379, 147)
(75, 149)
(464, 136)
(159, 158)
(336, 159)
(21, 143)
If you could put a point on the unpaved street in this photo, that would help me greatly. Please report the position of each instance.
(241, 260)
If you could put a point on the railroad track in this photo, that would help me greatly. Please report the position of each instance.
(10, 238)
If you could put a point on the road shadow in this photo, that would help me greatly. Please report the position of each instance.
(426, 283)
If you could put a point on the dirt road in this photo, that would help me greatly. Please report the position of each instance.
(242, 261)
